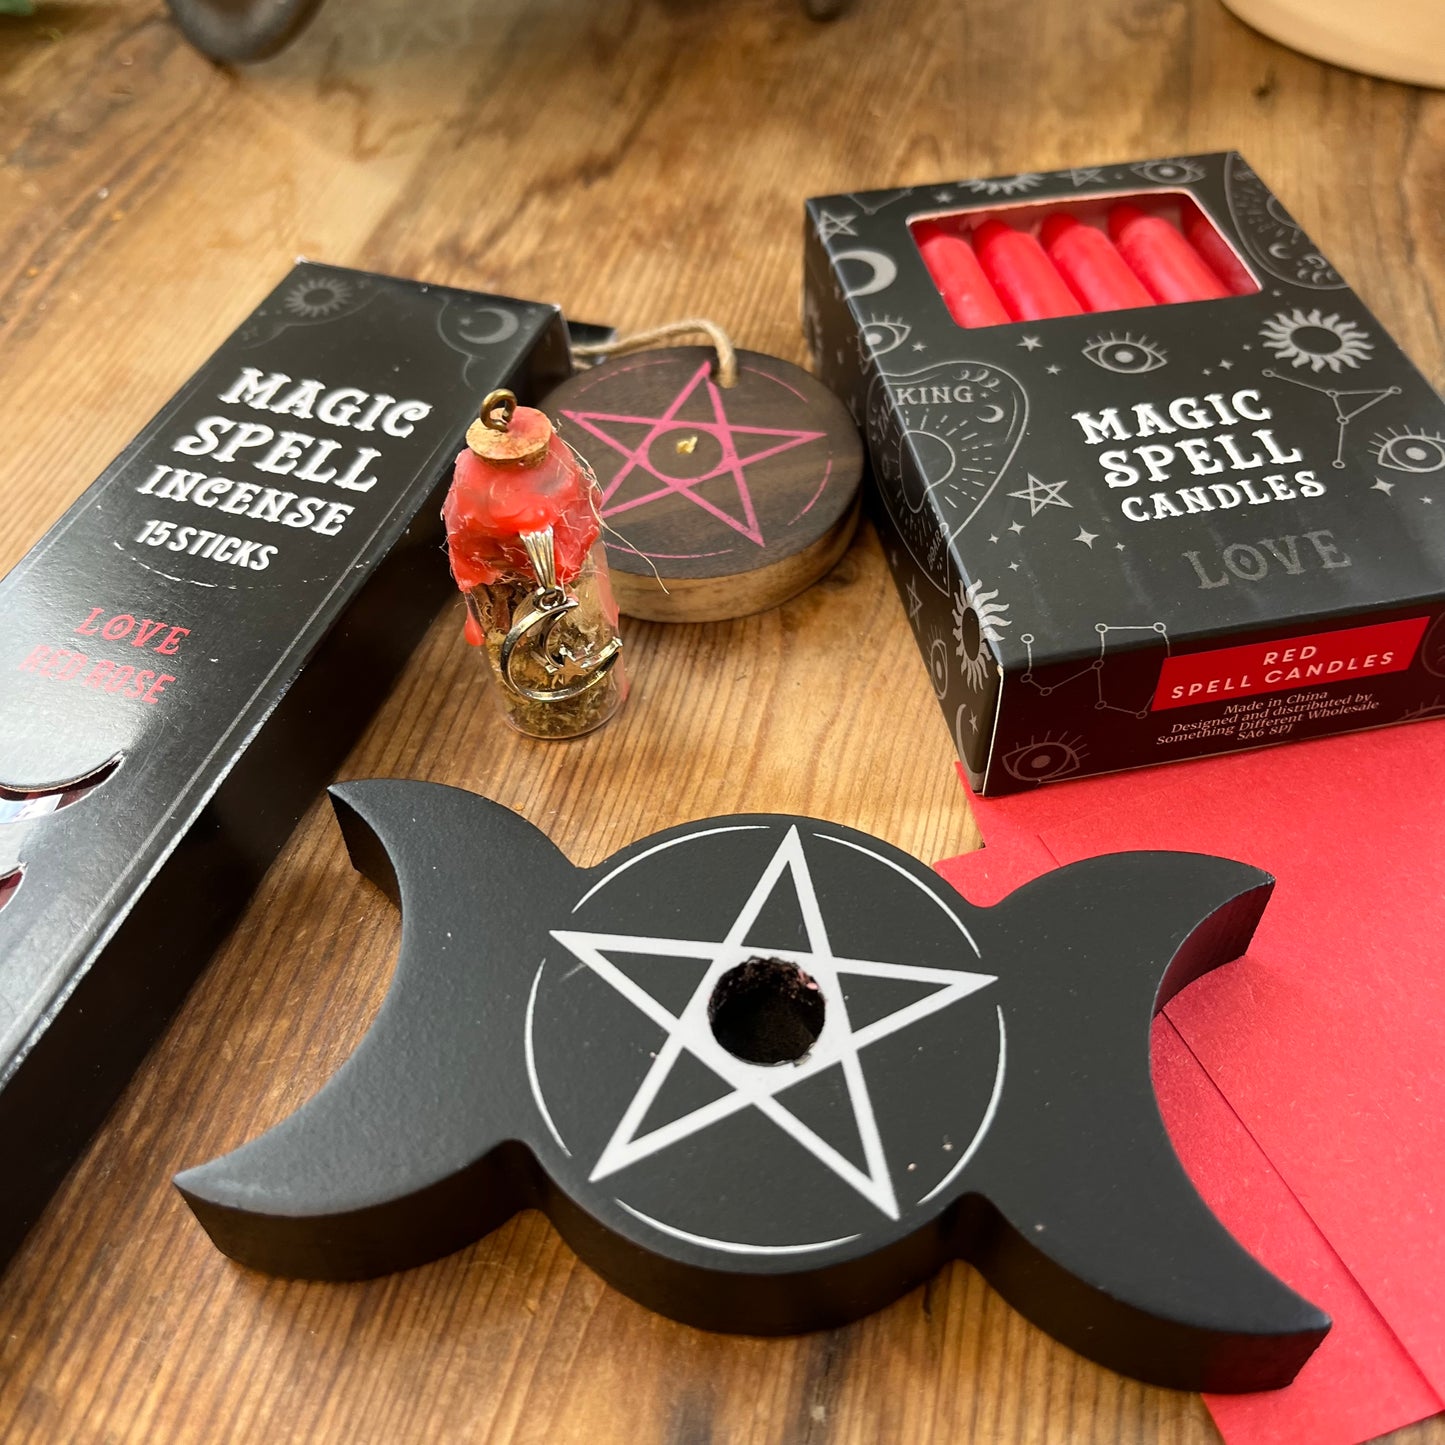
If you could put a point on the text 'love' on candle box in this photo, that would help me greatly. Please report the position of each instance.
(189, 653)
(1152, 480)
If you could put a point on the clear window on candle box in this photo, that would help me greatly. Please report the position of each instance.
(1152, 481)
(1034, 261)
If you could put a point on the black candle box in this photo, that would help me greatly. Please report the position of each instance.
(190, 651)
(1147, 534)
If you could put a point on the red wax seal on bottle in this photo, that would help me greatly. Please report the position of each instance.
(511, 481)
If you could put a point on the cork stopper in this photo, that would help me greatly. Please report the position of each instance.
(506, 434)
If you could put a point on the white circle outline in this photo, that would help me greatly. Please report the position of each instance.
(729, 1246)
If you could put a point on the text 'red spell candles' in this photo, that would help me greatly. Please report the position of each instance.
(524, 540)
(959, 276)
(1159, 255)
(1091, 265)
(1022, 274)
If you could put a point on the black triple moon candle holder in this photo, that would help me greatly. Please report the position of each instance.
(765, 1074)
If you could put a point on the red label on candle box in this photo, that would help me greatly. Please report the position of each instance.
(1291, 662)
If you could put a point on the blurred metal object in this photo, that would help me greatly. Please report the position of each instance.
(242, 31)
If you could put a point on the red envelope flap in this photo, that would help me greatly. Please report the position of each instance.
(1328, 1039)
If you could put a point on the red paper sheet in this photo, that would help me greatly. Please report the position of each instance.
(1322, 1141)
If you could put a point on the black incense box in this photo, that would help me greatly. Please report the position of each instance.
(189, 653)
(1132, 518)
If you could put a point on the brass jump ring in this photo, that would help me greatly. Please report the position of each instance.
(500, 401)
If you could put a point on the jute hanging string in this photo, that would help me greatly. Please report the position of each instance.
(727, 359)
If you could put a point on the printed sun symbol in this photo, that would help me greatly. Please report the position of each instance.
(1006, 185)
(313, 299)
(977, 618)
(1308, 339)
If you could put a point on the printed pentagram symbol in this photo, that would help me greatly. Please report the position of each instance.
(731, 449)
(1042, 494)
(758, 1086)
(709, 489)
(915, 602)
(830, 226)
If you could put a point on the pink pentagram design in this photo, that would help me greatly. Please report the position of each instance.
(726, 433)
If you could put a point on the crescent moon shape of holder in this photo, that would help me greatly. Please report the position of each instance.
(766, 1074)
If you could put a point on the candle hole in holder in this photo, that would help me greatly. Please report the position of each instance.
(766, 1011)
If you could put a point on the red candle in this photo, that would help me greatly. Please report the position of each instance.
(959, 278)
(1161, 258)
(1218, 254)
(1022, 275)
(1095, 271)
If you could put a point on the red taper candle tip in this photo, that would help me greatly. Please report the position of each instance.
(1157, 253)
(959, 277)
(1056, 227)
(1022, 274)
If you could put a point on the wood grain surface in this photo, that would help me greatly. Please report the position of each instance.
(636, 161)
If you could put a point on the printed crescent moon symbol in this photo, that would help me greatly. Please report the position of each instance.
(883, 267)
(998, 414)
(505, 326)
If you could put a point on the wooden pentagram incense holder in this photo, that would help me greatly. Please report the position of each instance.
(729, 482)
(766, 1074)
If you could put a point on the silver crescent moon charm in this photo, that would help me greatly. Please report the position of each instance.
(549, 604)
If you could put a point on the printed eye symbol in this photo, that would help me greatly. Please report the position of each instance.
(1043, 761)
(881, 337)
(1130, 355)
(1410, 452)
(938, 666)
(1170, 173)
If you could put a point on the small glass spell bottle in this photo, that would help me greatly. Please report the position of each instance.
(524, 535)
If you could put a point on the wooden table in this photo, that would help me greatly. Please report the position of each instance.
(635, 162)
